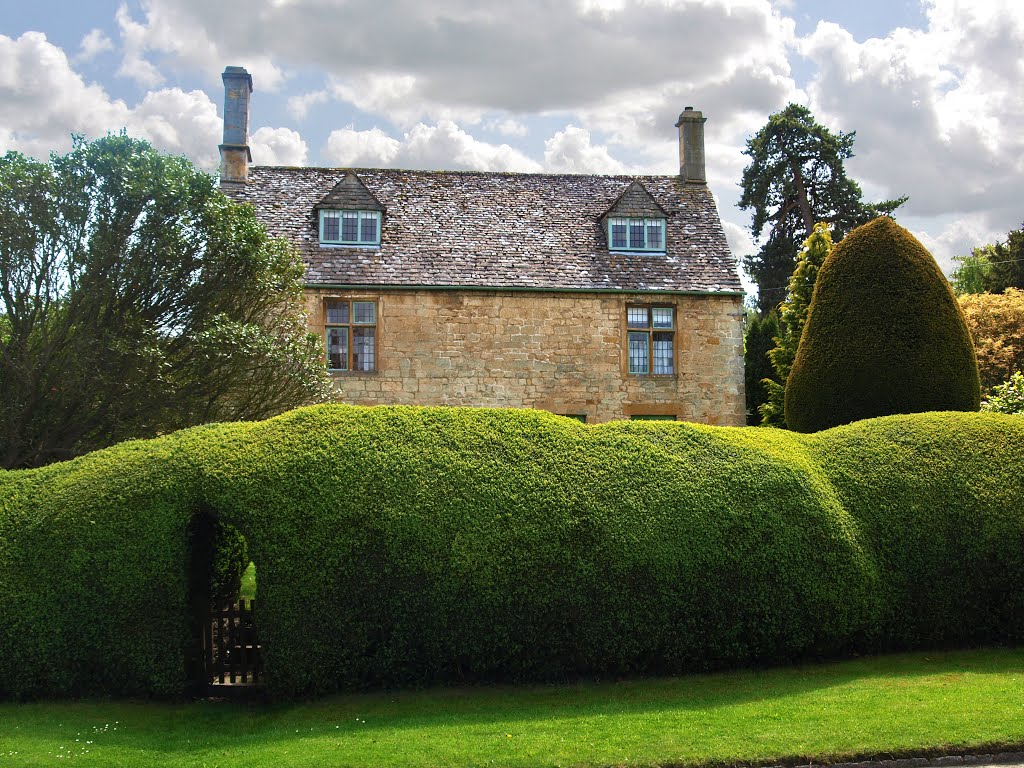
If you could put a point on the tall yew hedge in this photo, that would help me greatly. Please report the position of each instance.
(884, 335)
(407, 546)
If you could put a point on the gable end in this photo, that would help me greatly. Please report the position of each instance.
(350, 194)
(635, 202)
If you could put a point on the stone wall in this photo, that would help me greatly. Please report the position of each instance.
(561, 352)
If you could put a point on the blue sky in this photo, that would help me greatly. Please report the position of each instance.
(932, 88)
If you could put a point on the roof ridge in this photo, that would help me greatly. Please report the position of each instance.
(461, 172)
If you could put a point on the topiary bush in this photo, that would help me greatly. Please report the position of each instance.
(884, 335)
(409, 546)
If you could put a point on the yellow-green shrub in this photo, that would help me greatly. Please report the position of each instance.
(407, 546)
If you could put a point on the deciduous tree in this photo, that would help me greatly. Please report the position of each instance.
(137, 299)
(972, 274)
(1007, 263)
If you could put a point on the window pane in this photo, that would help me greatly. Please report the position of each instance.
(330, 225)
(364, 349)
(618, 233)
(636, 233)
(663, 353)
(364, 312)
(368, 233)
(337, 349)
(350, 226)
(654, 239)
(662, 317)
(636, 317)
(638, 353)
(337, 312)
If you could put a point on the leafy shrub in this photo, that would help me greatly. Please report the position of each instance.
(1007, 397)
(884, 335)
(996, 323)
(408, 546)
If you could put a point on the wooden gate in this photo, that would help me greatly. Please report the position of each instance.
(231, 648)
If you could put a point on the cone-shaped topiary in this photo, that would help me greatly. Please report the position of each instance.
(884, 335)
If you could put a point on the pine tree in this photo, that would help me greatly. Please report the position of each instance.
(795, 178)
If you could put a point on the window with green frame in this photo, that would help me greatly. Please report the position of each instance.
(652, 417)
(351, 335)
(636, 234)
(651, 339)
(345, 227)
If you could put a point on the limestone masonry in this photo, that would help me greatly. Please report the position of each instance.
(598, 297)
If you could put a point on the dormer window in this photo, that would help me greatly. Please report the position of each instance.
(349, 227)
(349, 214)
(635, 222)
(636, 234)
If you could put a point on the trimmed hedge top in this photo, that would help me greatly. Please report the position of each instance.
(884, 335)
(407, 546)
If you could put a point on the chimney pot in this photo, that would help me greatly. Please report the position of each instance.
(235, 155)
(691, 146)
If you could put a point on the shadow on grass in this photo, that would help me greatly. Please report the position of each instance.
(759, 702)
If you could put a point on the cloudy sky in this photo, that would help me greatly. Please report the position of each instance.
(933, 88)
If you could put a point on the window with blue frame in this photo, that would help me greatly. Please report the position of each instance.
(651, 340)
(342, 227)
(627, 234)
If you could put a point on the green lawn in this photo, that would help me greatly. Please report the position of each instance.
(894, 705)
(247, 590)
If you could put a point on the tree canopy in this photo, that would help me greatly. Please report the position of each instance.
(973, 272)
(1007, 261)
(137, 299)
(795, 178)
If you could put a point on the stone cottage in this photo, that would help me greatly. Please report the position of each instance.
(596, 297)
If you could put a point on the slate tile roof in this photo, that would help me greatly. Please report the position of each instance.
(497, 230)
(635, 201)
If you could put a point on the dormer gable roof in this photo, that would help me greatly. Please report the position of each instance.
(350, 194)
(636, 202)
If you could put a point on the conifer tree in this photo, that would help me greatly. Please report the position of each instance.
(758, 340)
(793, 317)
(795, 178)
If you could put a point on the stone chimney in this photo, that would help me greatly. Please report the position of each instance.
(234, 152)
(691, 146)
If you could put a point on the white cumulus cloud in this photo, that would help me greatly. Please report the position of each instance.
(937, 113)
(94, 43)
(43, 101)
(443, 145)
(278, 146)
(571, 151)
